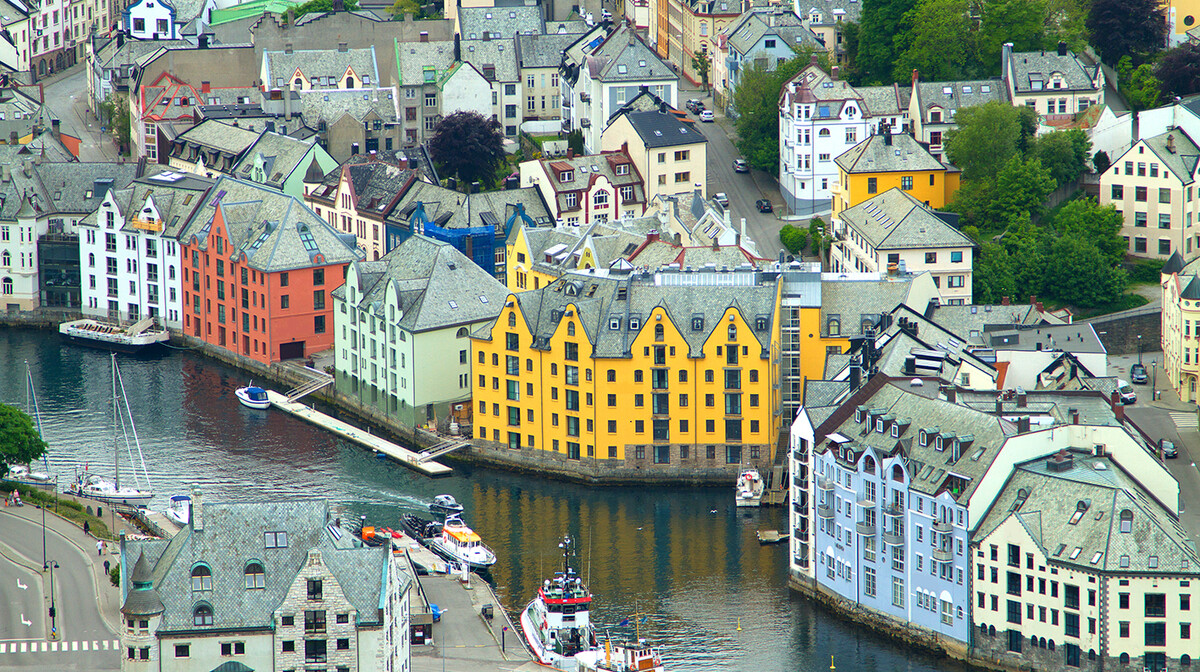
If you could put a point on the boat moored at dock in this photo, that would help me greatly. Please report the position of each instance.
(750, 487)
(452, 540)
(252, 396)
(557, 622)
(143, 336)
(621, 657)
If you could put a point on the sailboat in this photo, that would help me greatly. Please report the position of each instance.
(94, 486)
(24, 474)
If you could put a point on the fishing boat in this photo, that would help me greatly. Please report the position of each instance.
(452, 540)
(179, 510)
(252, 396)
(445, 505)
(142, 336)
(94, 486)
(621, 657)
(557, 622)
(749, 488)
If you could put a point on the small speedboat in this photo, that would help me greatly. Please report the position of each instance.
(179, 510)
(253, 396)
(750, 488)
(35, 479)
(445, 505)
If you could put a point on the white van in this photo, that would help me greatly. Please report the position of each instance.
(1128, 396)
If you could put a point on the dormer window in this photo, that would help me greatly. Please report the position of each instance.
(858, 415)
(923, 438)
(622, 169)
(938, 445)
(879, 425)
(935, 116)
(566, 176)
(895, 431)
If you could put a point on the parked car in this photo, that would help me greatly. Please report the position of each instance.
(1128, 396)
(763, 205)
(721, 199)
(1137, 373)
(741, 166)
(706, 115)
(1167, 449)
(694, 106)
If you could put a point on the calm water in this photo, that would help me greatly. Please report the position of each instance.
(684, 557)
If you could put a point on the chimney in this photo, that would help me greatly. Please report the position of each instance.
(287, 105)
(887, 136)
(910, 366)
(205, 87)
(203, 41)
(1171, 143)
(914, 78)
(652, 236)
(287, 48)
(1022, 399)
(812, 60)
(339, 6)
(951, 393)
(14, 138)
(855, 377)
(424, 36)
(1114, 400)
(342, 47)
(743, 227)
(834, 74)
(1062, 48)
(270, 125)
(632, 36)
(1005, 58)
(197, 519)
(570, 153)
(1023, 424)
(1005, 301)
(291, 16)
(1033, 299)
(999, 404)
(1061, 461)
(55, 128)
(120, 40)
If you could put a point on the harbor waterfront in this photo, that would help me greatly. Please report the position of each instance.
(713, 598)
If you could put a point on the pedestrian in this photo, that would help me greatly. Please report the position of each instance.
(106, 566)
(100, 547)
(87, 528)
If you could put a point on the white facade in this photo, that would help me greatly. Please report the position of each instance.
(466, 90)
(19, 288)
(128, 268)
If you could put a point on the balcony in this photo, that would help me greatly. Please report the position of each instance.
(891, 538)
(942, 555)
(866, 503)
(893, 509)
(825, 484)
(825, 511)
(585, 122)
(566, 102)
(942, 526)
(865, 527)
(155, 225)
(800, 456)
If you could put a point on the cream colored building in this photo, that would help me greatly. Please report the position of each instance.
(581, 190)
(1056, 84)
(1153, 185)
(669, 152)
(894, 230)
(1181, 326)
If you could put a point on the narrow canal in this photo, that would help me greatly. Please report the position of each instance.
(713, 599)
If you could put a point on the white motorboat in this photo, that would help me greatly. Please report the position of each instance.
(621, 657)
(253, 396)
(557, 623)
(142, 336)
(179, 510)
(445, 505)
(34, 479)
(750, 488)
(94, 486)
(452, 540)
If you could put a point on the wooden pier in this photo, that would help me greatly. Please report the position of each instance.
(349, 432)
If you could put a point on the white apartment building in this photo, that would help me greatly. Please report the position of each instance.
(894, 230)
(1153, 185)
(129, 252)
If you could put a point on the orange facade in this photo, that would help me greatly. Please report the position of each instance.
(266, 316)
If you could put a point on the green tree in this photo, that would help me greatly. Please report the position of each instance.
(114, 113)
(1178, 70)
(992, 278)
(114, 575)
(1063, 153)
(794, 240)
(468, 145)
(323, 6)
(756, 99)
(402, 7)
(1101, 225)
(1066, 22)
(1077, 272)
(1026, 246)
(941, 44)
(1022, 22)
(702, 66)
(882, 30)
(20, 442)
(1141, 88)
(575, 141)
(987, 137)
(1021, 189)
(1123, 28)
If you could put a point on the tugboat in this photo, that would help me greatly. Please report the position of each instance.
(452, 540)
(557, 624)
(749, 488)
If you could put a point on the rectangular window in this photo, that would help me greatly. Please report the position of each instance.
(872, 185)
(906, 183)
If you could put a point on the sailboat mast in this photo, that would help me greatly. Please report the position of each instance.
(116, 420)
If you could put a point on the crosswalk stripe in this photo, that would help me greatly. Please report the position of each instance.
(23, 647)
(116, 644)
(54, 646)
(3, 648)
(96, 645)
(74, 646)
(45, 646)
(1185, 420)
(106, 645)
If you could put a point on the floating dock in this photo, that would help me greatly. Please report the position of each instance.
(351, 433)
(771, 537)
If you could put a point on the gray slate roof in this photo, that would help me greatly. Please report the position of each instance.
(1182, 159)
(414, 57)
(500, 22)
(854, 302)
(266, 226)
(211, 134)
(1030, 66)
(1154, 545)
(543, 51)
(332, 104)
(73, 187)
(664, 130)
(623, 57)
(596, 298)
(438, 286)
(832, 11)
(174, 199)
(895, 220)
(500, 54)
(377, 185)
(957, 95)
(756, 23)
(281, 66)
(454, 210)
(877, 155)
(281, 156)
(233, 537)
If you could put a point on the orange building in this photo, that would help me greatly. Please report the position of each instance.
(258, 269)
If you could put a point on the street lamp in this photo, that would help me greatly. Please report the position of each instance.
(53, 614)
(1153, 379)
(1139, 347)
(43, 505)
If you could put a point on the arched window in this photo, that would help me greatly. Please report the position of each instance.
(462, 332)
(512, 319)
(570, 329)
(5, 258)
(255, 576)
(897, 473)
(823, 133)
(1126, 521)
(1185, 660)
(91, 259)
(6, 286)
(991, 631)
(658, 332)
(1052, 645)
(869, 465)
(1124, 658)
(1033, 642)
(349, 82)
(732, 332)
(1091, 654)
(201, 578)
(202, 614)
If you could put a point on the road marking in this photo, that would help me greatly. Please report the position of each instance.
(74, 646)
(1185, 420)
(45, 646)
(21, 585)
(96, 645)
(3, 648)
(85, 645)
(54, 646)
(23, 647)
(106, 645)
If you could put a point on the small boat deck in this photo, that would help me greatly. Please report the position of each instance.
(771, 537)
(402, 455)
(158, 523)
(419, 555)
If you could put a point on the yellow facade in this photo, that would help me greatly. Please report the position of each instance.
(934, 188)
(561, 399)
(522, 273)
(1181, 331)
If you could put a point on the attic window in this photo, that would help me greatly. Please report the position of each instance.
(614, 323)
(1151, 562)
(697, 324)
(483, 299)
(922, 438)
(1075, 553)
(635, 323)
(1125, 562)
(1098, 555)
(1126, 521)
(1060, 549)
(986, 88)
(1080, 508)
(453, 305)
(622, 69)
(895, 430)
(760, 323)
(641, 64)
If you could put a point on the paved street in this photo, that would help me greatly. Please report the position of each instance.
(85, 640)
(66, 97)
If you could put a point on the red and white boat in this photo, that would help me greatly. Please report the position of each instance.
(557, 623)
